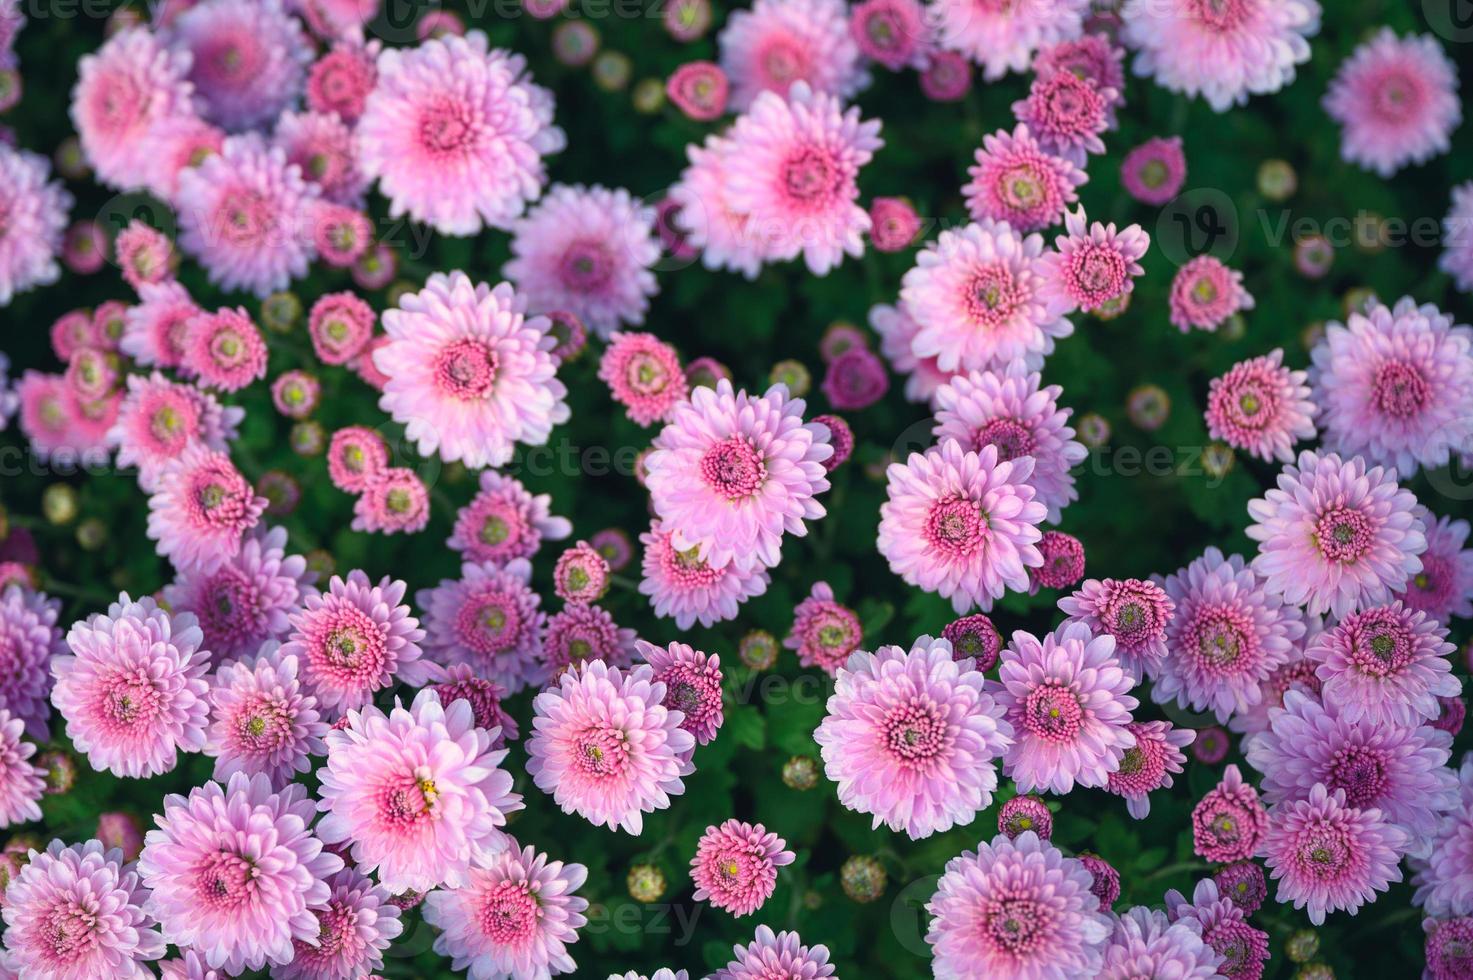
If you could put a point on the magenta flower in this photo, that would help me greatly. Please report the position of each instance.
(1136, 613)
(1448, 949)
(892, 32)
(735, 867)
(224, 349)
(1149, 764)
(1094, 264)
(1146, 943)
(699, 89)
(261, 722)
(825, 632)
(341, 79)
(340, 326)
(913, 739)
(394, 500)
(1022, 814)
(1387, 664)
(855, 380)
(692, 682)
(780, 955)
(1224, 928)
(581, 574)
(201, 511)
(355, 927)
(1015, 181)
(29, 641)
(1228, 823)
(1443, 882)
(778, 43)
(582, 633)
(1244, 885)
(1262, 407)
(356, 455)
(1067, 113)
(489, 620)
(22, 782)
(644, 375)
(1004, 38)
(894, 223)
(1154, 172)
(503, 521)
(484, 697)
(1094, 56)
(1443, 589)
(158, 419)
(1205, 294)
(974, 636)
(1063, 563)
(248, 62)
(156, 329)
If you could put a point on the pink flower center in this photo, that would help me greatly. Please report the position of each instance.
(691, 691)
(225, 881)
(586, 265)
(1360, 772)
(1052, 712)
(229, 59)
(218, 497)
(1400, 390)
(1254, 406)
(336, 932)
(1301, 673)
(245, 218)
(1399, 95)
(1380, 648)
(408, 799)
(263, 724)
(466, 369)
(915, 732)
(733, 468)
(1068, 105)
(1221, 15)
(229, 349)
(1223, 638)
(646, 375)
(783, 60)
(489, 622)
(1022, 187)
(1014, 922)
(1011, 437)
(448, 128)
(992, 297)
(1344, 535)
(71, 930)
(172, 423)
(500, 526)
(956, 527)
(1099, 272)
(509, 913)
(1133, 621)
(686, 569)
(601, 751)
(810, 176)
(351, 647)
(1323, 852)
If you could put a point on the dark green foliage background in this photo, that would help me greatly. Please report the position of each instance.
(1134, 519)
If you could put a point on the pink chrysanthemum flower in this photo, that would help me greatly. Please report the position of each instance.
(1227, 636)
(188, 966)
(201, 509)
(1336, 534)
(692, 682)
(778, 43)
(1149, 764)
(503, 521)
(1205, 293)
(1244, 885)
(180, 145)
(1396, 100)
(484, 697)
(1106, 880)
(704, 214)
(235, 872)
(78, 912)
(1021, 814)
(588, 251)
(1229, 822)
(469, 374)
(644, 375)
(1146, 943)
(1457, 240)
(1067, 113)
(1221, 50)
(1134, 612)
(735, 867)
(855, 380)
(355, 928)
(1224, 928)
(159, 419)
(891, 32)
(127, 93)
(894, 224)
(699, 89)
(605, 746)
(897, 330)
(145, 255)
(243, 214)
(1386, 664)
(1396, 386)
(248, 599)
(684, 587)
(1262, 407)
(341, 79)
(133, 691)
(513, 919)
(249, 61)
(418, 794)
(1449, 948)
(354, 640)
(979, 296)
(1065, 697)
(581, 574)
(1399, 770)
(29, 640)
(490, 620)
(1154, 172)
(355, 455)
(825, 632)
(342, 236)
(155, 330)
(35, 213)
(224, 349)
(842, 438)
(962, 524)
(455, 134)
(340, 325)
(1004, 37)
(733, 472)
(1092, 56)
(47, 414)
(321, 144)
(911, 738)
(1094, 264)
(260, 721)
(1330, 856)
(580, 634)
(1444, 883)
(780, 955)
(793, 175)
(1015, 908)
(976, 637)
(22, 782)
(1013, 411)
(1444, 587)
(393, 501)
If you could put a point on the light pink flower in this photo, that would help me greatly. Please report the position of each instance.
(321, 144)
(778, 43)
(503, 521)
(201, 510)
(1067, 113)
(692, 682)
(155, 330)
(1443, 589)
(22, 782)
(35, 212)
(684, 587)
(1457, 240)
(1154, 172)
(780, 955)
(249, 61)
(260, 721)
(1262, 407)
(1149, 764)
(704, 214)
(1004, 37)
(1016, 181)
(644, 375)
(1094, 264)
(159, 419)
(1229, 822)
(1205, 293)
(1388, 664)
(356, 926)
(489, 620)
(735, 867)
(1136, 613)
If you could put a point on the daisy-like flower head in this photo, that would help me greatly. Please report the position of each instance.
(1395, 386)
(825, 632)
(201, 510)
(1397, 769)
(1449, 948)
(1228, 823)
(248, 61)
(1093, 56)
(1444, 587)
(260, 721)
(29, 639)
(1221, 50)
(1013, 411)
(1298, 673)
(1149, 764)
(894, 224)
(974, 636)
(583, 633)
(155, 330)
(394, 500)
(1004, 37)
(1022, 814)
(159, 419)
(1015, 908)
(1262, 407)
(1016, 181)
(514, 918)
(1336, 535)
(962, 524)
(699, 89)
(133, 690)
(1396, 100)
(1244, 885)
(732, 472)
(145, 254)
(35, 213)
(418, 794)
(581, 574)
(892, 32)
(22, 783)
(1330, 856)
(1457, 241)
(1146, 943)
(587, 251)
(503, 521)
(243, 214)
(1205, 293)
(355, 639)
(224, 349)
(1094, 264)
(692, 682)
(605, 746)
(355, 456)
(340, 326)
(489, 619)
(684, 587)
(343, 236)
(704, 215)
(321, 144)
(1154, 172)
(1386, 664)
(469, 374)
(1134, 612)
(1065, 698)
(897, 330)
(735, 867)
(779, 955)
(455, 134)
(355, 927)
(793, 175)
(248, 599)
(78, 912)
(1224, 928)
(1227, 635)
(235, 872)
(855, 380)
(341, 79)
(979, 295)
(1443, 882)
(912, 738)
(778, 43)
(644, 375)
(1067, 113)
